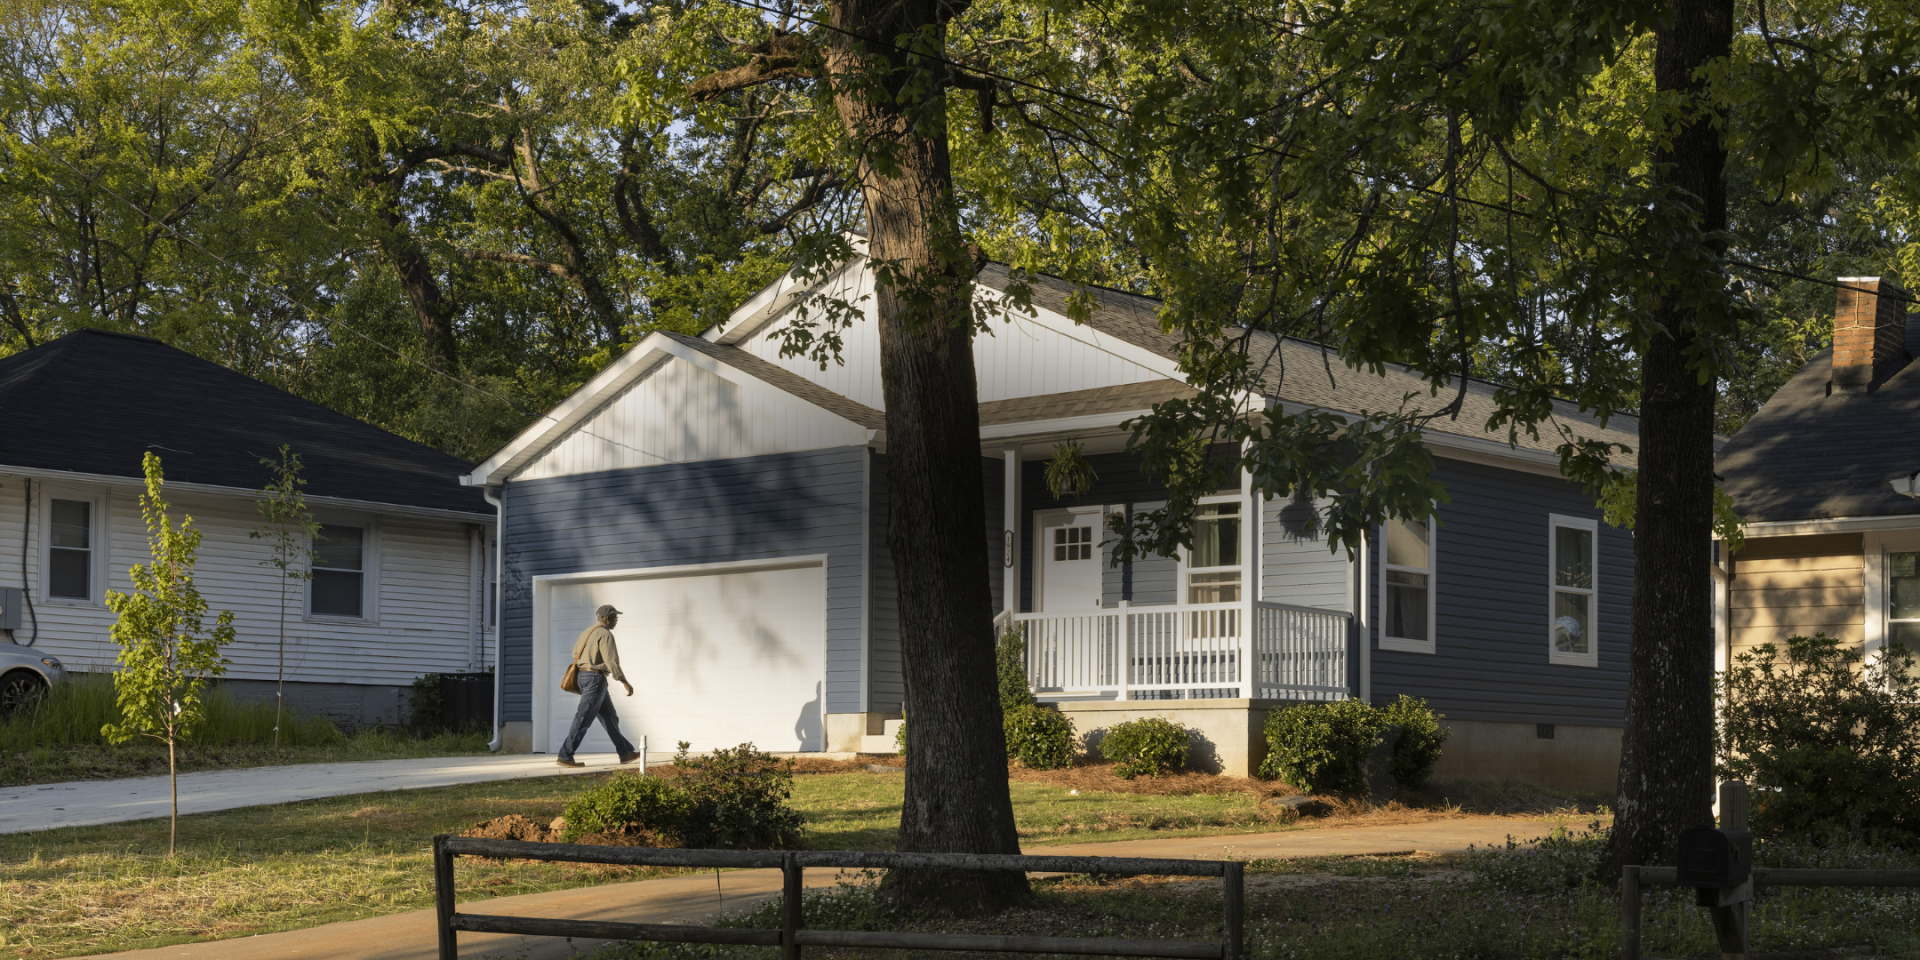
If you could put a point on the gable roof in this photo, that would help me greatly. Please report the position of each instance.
(778, 376)
(94, 402)
(1308, 374)
(1810, 456)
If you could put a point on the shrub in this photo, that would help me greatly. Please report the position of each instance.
(626, 802)
(1041, 737)
(737, 797)
(1322, 747)
(1417, 748)
(1830, 741)
(1148, 746)
(1010, 668)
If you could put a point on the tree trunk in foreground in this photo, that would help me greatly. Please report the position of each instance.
(1666, 763)
(956, 790)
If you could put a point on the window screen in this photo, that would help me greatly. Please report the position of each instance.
(70, 557)
(1903, 598)
(1216, 543)
(1409, 581)
(339, 571)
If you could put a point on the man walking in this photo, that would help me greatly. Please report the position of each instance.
(598, 659)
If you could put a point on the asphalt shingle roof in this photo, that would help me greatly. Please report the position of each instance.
(95, 402)
(1810, 456)
(1308, 374)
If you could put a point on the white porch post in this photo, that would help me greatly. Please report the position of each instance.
(1010, 535)
(1250, 588)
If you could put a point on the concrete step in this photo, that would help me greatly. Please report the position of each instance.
(880, 743)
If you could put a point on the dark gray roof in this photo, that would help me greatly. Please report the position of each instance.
(1309, 374)
(1810, 456)
(787, 380)
(95, 402)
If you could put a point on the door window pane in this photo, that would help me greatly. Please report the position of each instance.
(1216, 536)
(1573, 557)
(1407, 605)
(338, 571)
(70, 554)
(1571, 622)
(1073, 543)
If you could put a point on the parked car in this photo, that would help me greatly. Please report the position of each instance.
(25, 673)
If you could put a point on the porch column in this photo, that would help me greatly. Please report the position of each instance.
(1010, 535)
(1250, 524)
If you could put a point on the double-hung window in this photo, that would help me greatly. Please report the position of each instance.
(1407, 615)
(1573, 591)
(70, 549)
(1213, 565)
(1903, 599)
(338, 588)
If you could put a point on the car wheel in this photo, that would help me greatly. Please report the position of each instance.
(17, 690)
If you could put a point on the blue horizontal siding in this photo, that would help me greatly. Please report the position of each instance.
(1491, 589)
(713, 511)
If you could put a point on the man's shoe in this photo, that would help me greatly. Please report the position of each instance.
(629, 757)
(563, 761)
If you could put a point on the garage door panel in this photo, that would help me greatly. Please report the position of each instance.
(715, 659)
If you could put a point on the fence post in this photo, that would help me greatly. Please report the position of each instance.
(1630, 913)
(1126, 648)
(1233, 890)
(443, 898)
(790, 888)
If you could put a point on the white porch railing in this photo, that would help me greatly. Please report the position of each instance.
(1190, 651)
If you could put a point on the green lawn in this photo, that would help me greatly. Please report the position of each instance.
(259, 869)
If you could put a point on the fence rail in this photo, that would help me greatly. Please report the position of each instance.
(1632, 877)
(790, 937)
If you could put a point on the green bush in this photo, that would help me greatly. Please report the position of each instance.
(1829, 741)
(626, 802)
(737, 798)
(1148, 746)
(1010, 668)
(1041, 737)
(1324, 747)
(1418, 746)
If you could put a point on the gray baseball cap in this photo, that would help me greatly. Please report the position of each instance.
(606, 610)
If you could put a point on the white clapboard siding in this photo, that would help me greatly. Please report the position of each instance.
(1017, 357)
(680, 412)
(423, 621)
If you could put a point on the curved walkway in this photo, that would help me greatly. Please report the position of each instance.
(83, 803)
(411, 936)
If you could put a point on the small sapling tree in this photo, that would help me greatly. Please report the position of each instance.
(166, 651)
(289, 530)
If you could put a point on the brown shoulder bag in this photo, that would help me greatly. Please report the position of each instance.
(571, 682)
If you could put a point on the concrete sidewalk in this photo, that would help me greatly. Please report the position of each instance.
(47, 806)
(411, 936)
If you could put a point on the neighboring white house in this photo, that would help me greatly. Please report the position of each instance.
(400, 580)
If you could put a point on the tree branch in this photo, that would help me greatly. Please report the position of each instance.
(778, 57)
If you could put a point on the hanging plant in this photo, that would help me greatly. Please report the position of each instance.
(1069, 473)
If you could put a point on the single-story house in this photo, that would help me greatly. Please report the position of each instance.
(734, 502)
(400, 579)
(1826, 487)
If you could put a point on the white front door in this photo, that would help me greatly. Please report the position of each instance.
(1069, 561)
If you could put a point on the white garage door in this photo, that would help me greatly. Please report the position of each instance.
(715, 660)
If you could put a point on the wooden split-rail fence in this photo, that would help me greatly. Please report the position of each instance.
(791, 936)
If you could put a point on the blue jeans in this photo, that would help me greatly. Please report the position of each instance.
(596, 700)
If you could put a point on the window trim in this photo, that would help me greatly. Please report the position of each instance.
(1185, 568)
(370, 529)
(100, 521)
(1554, 656)
(1431, 645)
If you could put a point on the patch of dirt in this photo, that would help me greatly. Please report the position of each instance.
(1099, 775)
(511, 827)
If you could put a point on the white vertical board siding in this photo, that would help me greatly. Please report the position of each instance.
(679, 412)
(422, 620)
(1018, 357)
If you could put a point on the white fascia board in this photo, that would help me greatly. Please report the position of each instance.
(1029, 428)
(248, 493)
(685, 569)
(569, 411)
(776, 297)
(1801, 528)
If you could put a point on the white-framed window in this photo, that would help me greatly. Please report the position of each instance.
(1213, 570)
(1573, 591)
(73, 546)
(1903, 598)
(1407, 595)
(343, 567)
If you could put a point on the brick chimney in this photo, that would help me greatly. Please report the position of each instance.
(1869, 333)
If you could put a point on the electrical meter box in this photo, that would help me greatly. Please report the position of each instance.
(11, 604)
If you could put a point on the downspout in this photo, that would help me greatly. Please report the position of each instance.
(499, 621)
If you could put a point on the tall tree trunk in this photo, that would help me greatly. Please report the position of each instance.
(956, 789)
(1666, 777)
